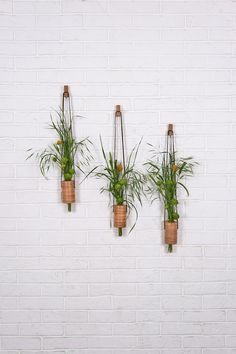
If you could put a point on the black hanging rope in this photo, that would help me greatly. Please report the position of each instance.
(170, 152)
(66, 110)
(119, 124)
(119, 128)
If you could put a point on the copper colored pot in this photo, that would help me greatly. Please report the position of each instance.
(170, 233)
(119, 215)
(68, 192)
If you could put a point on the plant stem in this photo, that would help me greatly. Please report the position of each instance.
(69, 207)
(170, 248)
(120, 231)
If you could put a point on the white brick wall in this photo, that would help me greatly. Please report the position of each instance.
(68, 284)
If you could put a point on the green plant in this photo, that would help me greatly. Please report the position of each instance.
(63, 153)
(165, 177)
(124, 183)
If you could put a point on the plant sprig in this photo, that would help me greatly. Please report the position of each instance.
(124, 183)
(166, 177)
(63, 153)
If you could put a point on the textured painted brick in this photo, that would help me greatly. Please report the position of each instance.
(70, 6)
(42, 303)
(159, 342)
(218, 328)
(112, 289)
(68, 284)
(111, 316)
(181, 302)
(158, 316)
(37, 35)
(23, 316)
(89, 329)
(64, 290)
(128, 302)
(204, 316)
(83, 35)
(137, 7)
(160, 21)
(158, 289)
(205, 288)
(219, 275)
(214, 21)
(40, 277)
(87, 276)
(36, 7)
(127, 276)
(21, 343)
(203, 341)
(136, 329)
(89, 303)
(61, 316)
(9, 330)
(107, 20)
(112, 342)
(51, 343)
(217, 302)
(183, 329)
(41, 329)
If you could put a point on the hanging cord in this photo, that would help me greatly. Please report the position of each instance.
(119, 118)
(118, 123)
(67, 112)
(65, 97)
(170, 152)
(66, 107)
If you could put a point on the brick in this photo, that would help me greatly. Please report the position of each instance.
(137, 7)
(90, 303)
(37, 35)
(112, 289)
(21, 343)
(182, 329)
(214, 21)
(110, 20)
(158, 316)
(89, 329)
(41, 329)
(61, 316)
(112, 342)
(203, 341)
(42, 303)
(64, 343)
(36, 7)
(6, 7)
(181, 302)
(159, 342)
(112, 316)
(71, 6)
(22, 316)
(160, 21)
(204, 316)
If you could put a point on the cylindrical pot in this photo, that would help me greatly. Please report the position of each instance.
(68, 192)
(170, 233)
(119, 215)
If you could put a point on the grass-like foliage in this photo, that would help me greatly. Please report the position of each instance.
(125, 184)
(165, 177)
(66, 151)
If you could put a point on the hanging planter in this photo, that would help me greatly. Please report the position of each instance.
(120, 215)
(64, 153)
(124, 182)
(166, 173)
(68, 193)
(170, 232)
